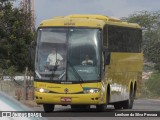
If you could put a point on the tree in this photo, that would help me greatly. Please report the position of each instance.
(150, 22)
(15, 36)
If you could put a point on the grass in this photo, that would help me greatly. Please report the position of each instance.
(151, 87)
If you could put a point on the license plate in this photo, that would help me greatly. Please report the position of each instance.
(64, 99)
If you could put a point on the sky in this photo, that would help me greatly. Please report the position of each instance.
(46, 9)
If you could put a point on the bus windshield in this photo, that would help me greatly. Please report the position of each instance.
(68, 54)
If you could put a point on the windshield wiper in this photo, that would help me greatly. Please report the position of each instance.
(75, 71)
(61, 76)
(37, 73)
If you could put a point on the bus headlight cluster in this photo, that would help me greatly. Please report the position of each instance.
(93, 90)
(42, 90)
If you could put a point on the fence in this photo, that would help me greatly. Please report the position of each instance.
(17, 91)
(7, 87)
(21, 89)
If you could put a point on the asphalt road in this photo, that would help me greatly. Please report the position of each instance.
(139, 105)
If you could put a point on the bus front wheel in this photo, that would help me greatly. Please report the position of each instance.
(103, 107)
(48, 107)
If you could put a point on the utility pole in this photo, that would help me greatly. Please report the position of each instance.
(25, 85)
(28, 6)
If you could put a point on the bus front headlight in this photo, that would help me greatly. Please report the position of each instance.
(92, 90)
(42, 90)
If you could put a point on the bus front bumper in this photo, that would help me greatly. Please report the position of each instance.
(68, 99)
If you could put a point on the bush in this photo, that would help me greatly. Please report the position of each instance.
(157, 66)
(153, 84)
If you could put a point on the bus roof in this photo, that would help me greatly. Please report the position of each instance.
(84, 20)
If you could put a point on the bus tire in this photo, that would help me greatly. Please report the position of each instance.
(129, 103)
(103, 107)
(135, 89)
(48, 107)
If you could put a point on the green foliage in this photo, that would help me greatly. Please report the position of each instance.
(145, 93)
(157, 66)
(153, 83)
(10, 71)
(150, 22)
(153, 52)
(15, 36)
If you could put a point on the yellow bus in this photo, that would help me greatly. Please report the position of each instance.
(84, 60)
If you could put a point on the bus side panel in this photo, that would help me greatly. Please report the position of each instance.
(124, 69)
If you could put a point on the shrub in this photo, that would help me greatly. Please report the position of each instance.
(153, 84)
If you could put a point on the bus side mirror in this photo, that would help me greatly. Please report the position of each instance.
(107, 57)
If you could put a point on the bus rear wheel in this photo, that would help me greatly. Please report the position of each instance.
(48, 107)
(129, 103)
